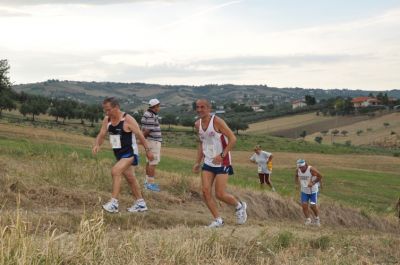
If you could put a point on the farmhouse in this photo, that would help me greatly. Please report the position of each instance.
(362, 102)
(299, 103)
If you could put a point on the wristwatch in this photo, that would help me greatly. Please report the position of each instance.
(222, 155)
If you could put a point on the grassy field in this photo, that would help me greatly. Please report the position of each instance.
(51, 190)
(284, 123)
(293, 126)
(373, 132)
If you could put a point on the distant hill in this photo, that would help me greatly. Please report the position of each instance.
(134, 94)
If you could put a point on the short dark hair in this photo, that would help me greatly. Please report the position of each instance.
(112, 100)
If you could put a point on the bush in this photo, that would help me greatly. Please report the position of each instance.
(318, 139)
(347, 143)
(359, 132)
(284, 240)
(322, 243)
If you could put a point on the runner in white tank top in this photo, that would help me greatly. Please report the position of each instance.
(213, 144)
(216, 141)
(308, 179)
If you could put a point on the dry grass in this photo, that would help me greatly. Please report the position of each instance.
(44, 135)
(373, 132)
(285, 123)
(50, 214)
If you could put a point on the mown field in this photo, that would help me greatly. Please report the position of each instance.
(292, 126)
(380, 131)
(52, 189)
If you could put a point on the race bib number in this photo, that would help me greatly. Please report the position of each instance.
(259, 169)
(115, 141)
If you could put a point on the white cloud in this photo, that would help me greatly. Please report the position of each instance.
(197, 44)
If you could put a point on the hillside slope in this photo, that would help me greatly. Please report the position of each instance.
(51, 195)
(371, 132)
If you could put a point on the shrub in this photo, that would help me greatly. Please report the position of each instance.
(359, 132)
(318, 139)
(284, 240)
(322, 243)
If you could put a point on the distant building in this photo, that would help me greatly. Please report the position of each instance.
(300, 103)
(257, 108)
(362, 102)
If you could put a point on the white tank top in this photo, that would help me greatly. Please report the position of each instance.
(213, 144)
(305, 179)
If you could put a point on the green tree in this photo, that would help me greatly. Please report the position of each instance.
(6, 102)
(324, 132)
(169, 119)
(93, 113)
(63, 109)
(318, 139)
(237, 124)
(35, 105)
(310, 100)
(188, 122)
(303, 134)
(5, 83)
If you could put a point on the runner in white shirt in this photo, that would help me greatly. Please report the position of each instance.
(263, 160)
(308, 179)
(216, 141)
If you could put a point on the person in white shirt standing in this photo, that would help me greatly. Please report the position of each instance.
(263, 160)
(216, 142)
(308, 179)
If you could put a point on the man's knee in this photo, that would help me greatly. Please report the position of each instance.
(115, 172)
(220, 194)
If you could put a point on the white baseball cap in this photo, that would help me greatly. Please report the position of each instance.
(153, 102)
(301, 163)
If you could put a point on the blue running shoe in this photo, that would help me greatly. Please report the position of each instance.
(152, 187)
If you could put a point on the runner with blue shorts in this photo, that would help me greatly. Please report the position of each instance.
(122, 129)
(216, 141)
(308, 179)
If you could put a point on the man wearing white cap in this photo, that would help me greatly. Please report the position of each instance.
(152, 132)
(308, 178)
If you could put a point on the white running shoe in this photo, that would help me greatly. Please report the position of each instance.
(137, 207)
(308, 221)
(241, 214)
(216, 223)
(317, 222)
(111, 207)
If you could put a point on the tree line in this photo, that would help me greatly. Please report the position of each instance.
(35, 105)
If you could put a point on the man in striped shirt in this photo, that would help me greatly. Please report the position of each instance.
(152, 132)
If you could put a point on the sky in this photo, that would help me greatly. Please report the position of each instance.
(287, 43)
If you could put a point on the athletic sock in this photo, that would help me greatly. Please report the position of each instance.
(238, 206)
(114, 201)
(219, 220)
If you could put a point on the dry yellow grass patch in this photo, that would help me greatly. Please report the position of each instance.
(285, 123)
(44, 134)
(373, 129)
